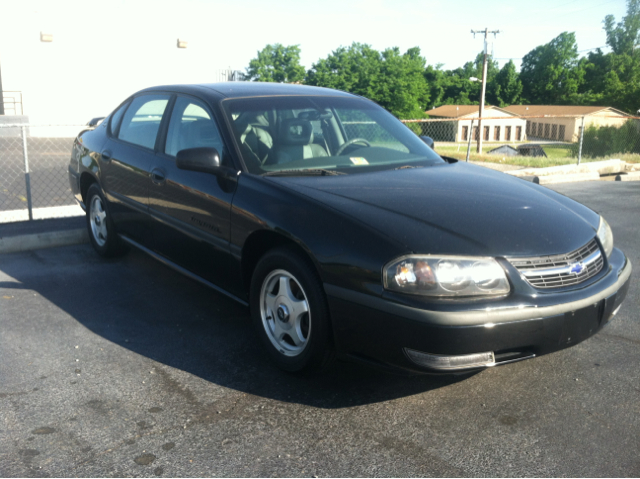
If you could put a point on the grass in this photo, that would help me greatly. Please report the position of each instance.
(556, 155)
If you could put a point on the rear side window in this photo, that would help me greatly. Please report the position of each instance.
(141, 121)
(116, 117)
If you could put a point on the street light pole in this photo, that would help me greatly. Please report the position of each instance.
(484, 83)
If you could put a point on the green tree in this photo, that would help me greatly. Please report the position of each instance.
(551, 73)
(474, 68)
(613, 79)
(393, 80)
(454, 87)
(624, 38)
(276, 63)
(506, 88)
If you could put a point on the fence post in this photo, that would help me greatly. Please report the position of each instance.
(470, 135)
(581, 137)
(27, 177)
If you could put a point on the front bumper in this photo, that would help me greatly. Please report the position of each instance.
(382, 331)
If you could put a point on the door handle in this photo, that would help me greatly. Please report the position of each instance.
(158, 176)
(106, 155)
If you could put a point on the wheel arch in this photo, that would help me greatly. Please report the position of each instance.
(262, 241)
(86, 180)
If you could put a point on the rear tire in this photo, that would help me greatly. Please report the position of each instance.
(290, 312)
(102, 232)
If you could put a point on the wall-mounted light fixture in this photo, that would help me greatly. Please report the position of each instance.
(182, 43)
(46, 37)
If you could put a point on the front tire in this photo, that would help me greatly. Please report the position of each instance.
(102, 233)
(290, 313)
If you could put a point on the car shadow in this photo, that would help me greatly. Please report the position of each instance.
(142, 305)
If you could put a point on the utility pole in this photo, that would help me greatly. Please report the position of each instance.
(484, 82)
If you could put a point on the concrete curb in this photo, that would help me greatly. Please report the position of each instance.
(550, 180)
(52, 239)
(600, 167)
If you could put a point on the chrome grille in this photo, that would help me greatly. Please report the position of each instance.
(561, 270)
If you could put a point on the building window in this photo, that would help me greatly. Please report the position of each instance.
(547, 132)
(554, 132)
(496, 133)
(486, 133)
(540, 128)
(507, 133)
(465, 133)
(562, 132)
(518, 133)
(534, 130)
(475, 133)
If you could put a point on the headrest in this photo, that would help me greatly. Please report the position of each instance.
(250, 118)
(295, 131)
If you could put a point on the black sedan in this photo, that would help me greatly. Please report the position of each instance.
(345, 234)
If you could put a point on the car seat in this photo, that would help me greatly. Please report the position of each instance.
(295, 142)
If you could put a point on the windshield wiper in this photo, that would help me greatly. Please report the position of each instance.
(309, 172)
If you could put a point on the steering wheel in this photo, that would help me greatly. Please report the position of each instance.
(351, 142)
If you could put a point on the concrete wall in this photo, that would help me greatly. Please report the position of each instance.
(571, 128)
(493, 124)
(571, 125)
(104, 51)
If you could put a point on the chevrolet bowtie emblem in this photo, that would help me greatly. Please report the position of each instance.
(577, 268)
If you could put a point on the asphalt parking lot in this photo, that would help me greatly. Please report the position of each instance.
(126, 368)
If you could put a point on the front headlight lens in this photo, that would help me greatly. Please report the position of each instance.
(605, 235)
(446, 276)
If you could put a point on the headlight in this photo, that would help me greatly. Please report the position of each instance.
(605, 236)
(446, 276)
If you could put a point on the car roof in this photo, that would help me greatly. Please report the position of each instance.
(249, 89)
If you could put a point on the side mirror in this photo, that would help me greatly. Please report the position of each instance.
(203, 159)
(428, 140)
(95, 121)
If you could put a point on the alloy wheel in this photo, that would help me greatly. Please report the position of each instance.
(98, 221)
(285, 313)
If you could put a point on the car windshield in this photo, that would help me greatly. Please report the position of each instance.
(322, 135)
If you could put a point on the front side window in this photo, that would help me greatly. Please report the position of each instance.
(341, 134)
(141, 121)
(192, 126)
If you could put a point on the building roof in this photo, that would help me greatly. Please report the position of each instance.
(536, 110)
(457, 111)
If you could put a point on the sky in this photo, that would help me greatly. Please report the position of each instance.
(116, 47)
(235, 30)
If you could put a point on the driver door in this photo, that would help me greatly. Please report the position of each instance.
(192, 209)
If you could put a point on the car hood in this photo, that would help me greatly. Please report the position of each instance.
(456, 209)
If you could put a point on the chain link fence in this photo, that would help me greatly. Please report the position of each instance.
(34, 159)
(34, 179)
(535, 140)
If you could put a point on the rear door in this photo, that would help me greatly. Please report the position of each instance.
(126, 163)
(192, 209)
